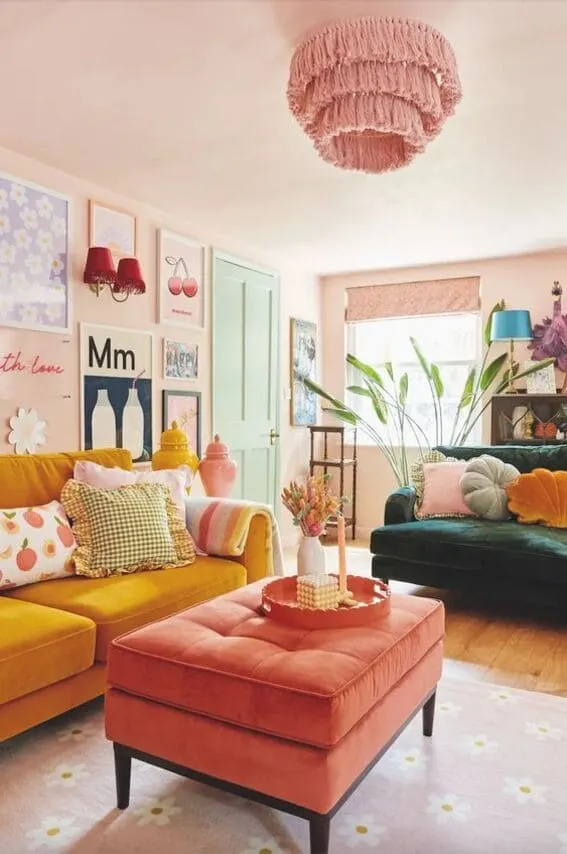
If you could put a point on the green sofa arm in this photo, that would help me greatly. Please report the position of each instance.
(399, 506)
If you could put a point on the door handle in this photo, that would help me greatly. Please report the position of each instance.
(274, 436)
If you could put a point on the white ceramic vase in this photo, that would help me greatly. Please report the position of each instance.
(310, 556)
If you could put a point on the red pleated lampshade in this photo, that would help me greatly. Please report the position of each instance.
(99, 269)
(129, 277)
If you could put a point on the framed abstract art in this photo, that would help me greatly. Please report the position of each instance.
(181, 278)
(180, 360)
(34, 257)
(114, 228)
(185, 408)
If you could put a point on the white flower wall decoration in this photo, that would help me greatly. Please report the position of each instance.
(28, 431)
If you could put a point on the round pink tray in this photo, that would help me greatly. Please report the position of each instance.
(373, 598)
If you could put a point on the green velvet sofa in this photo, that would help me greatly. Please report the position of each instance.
(503, 557)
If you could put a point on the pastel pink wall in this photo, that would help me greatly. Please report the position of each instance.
(58, 398)
(522, 281)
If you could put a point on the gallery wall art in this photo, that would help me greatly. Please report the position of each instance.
(180, 360)
(181, 274)
(303, 358)
(185, 408)
(114, 228)
(34, 257)
(116, 379)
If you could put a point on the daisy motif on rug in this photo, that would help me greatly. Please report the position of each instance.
(448, 808)
(524, 790)
(359, 830)
(157, 812)
(66, 776)
(52, 833)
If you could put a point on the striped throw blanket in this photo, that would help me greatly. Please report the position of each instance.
(220, 527)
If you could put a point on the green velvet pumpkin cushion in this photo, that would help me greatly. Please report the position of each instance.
(484, 487)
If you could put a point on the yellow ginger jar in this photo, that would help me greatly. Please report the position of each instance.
(175, 452)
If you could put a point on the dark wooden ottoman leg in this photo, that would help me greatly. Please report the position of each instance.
(428, 715)
(319, 832)
(122, 771)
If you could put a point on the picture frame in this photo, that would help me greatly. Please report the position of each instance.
(185, 408)
(180, 360)
(116, 365)
(113, 227)
(35, 276)
(181, 280)
(303, 365)
(542, 381)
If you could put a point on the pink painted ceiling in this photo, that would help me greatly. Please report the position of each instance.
(181, 104)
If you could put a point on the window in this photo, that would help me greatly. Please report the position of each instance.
(451, 341)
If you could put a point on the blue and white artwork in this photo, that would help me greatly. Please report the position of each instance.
(34, 257)
(116, 368)
(303, 366)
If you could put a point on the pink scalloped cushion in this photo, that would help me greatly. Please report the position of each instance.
(442, 495)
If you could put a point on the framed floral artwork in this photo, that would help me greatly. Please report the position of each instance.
(181, 277)
(114, 228)
(180, 360)
(185, 408)
(34, 257)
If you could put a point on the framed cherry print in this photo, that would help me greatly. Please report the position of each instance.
(181, 274)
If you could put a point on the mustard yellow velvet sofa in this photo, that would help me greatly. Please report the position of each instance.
(54, 635)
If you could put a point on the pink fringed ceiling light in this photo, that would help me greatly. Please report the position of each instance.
(372, 92)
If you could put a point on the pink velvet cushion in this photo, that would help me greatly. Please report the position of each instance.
(113, 478)
(442, 495)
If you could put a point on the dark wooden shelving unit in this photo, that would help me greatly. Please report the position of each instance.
(340, 462)
(545, 410)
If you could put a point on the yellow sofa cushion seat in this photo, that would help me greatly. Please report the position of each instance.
(40, 646)
(39, 478)
(120, 604)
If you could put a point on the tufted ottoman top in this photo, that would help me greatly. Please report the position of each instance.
(226, 660)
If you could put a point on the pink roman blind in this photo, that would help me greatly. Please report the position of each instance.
(408, 299)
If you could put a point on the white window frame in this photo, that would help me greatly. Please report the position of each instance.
(400, 367)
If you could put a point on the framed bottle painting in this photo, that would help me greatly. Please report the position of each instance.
(185, 408)
(181, 280)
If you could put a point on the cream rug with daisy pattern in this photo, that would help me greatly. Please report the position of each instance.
(492, 778)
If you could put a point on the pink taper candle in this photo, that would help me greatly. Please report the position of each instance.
(342, 553)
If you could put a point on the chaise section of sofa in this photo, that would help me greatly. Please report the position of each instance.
(506, 558)
(54, 635)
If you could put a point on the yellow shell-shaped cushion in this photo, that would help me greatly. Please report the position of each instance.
(540, 497)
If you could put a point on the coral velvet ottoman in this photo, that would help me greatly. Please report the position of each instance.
(288, 717)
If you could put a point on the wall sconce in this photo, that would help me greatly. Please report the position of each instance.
(100, 273)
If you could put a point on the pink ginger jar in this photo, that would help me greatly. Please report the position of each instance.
(217, 469)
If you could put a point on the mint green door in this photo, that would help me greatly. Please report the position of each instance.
(245, 374)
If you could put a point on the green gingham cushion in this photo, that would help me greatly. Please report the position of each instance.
(124, 530)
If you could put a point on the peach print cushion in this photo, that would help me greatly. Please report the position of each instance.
(442, 494)
(36, 544)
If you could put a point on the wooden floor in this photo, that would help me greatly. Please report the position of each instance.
(514, 644)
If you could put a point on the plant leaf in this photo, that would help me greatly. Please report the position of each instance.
(378, 402)
(500, 306)
(343, 415)
(421, 358)
(388, 367)
(404, 385)
(491, 371)
(324, 394)
(357, 389)
(468, 388)
(367, 370)
(437, 381)
(518, 375)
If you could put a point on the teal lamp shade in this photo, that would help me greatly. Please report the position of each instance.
(511, 325)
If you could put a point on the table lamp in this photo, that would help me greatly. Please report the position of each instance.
(511, 325)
